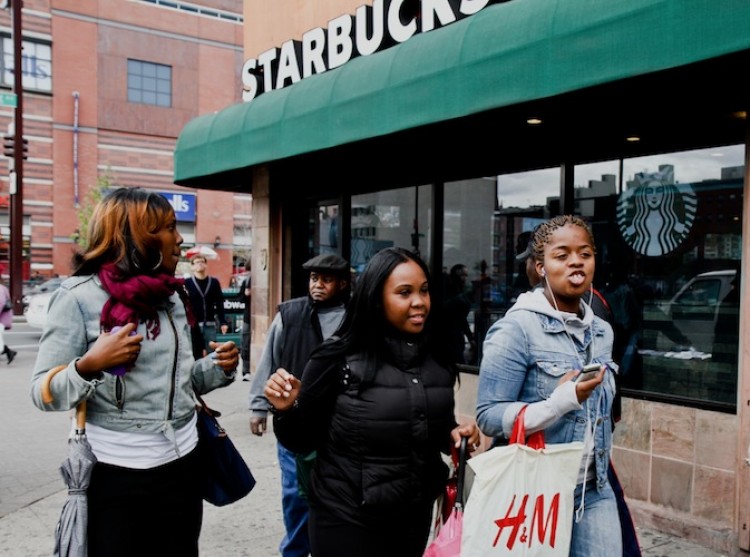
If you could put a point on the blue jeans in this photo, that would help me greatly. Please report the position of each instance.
(296, 541)
(245, 348)
(598, 532)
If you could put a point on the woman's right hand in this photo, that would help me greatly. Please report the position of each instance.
(282, 389)
(110, 350)
(584, 387)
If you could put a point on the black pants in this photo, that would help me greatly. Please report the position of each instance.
(155, 512)
(401, 533)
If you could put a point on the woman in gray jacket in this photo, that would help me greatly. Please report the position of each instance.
(122, 327)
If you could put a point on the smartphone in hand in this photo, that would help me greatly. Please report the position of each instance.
(589, 372)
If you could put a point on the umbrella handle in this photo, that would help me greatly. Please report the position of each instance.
(47, 396)
(46, 380)
(81, 415)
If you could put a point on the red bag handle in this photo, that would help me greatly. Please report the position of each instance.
(518, 435)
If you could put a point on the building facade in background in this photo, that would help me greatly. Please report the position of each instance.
(108, 85)
(453, 128)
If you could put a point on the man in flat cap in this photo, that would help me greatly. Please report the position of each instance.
(300, 325)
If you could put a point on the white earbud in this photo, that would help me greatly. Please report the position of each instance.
(543, 273)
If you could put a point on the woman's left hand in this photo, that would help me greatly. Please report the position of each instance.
(469, 430)
(225, 355)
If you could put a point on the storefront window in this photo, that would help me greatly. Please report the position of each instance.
(468, 264)
(668, 232)
(400, 217)
(486, 223)
(326, 235)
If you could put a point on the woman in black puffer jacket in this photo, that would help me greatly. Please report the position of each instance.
(377, 403)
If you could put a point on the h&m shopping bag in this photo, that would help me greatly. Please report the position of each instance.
(521, 502)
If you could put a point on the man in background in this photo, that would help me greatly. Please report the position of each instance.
(207, 301)
(300, 325)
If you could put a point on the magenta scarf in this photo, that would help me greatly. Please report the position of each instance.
(135, 299)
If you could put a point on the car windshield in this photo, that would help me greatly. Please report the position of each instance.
(701, 292)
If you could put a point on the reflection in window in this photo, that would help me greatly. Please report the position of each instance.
(401, 217)
(327, 234)
(525, 199)
(36, 64)
(468, 221)
(668, 260)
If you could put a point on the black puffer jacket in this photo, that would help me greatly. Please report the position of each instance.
(379, 446)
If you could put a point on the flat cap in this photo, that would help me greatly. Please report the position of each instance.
(327, 263)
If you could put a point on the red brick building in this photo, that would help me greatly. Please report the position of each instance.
(108, 86)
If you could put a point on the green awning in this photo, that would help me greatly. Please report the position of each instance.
(508, 53)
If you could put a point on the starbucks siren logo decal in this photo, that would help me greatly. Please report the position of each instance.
(654, 214)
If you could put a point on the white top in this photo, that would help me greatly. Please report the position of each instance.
(141, 451)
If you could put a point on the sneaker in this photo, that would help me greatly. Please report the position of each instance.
(11, 355)
(245, 376)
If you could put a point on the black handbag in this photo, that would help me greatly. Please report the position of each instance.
(226, 476)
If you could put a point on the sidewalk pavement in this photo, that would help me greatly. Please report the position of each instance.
(32, 491)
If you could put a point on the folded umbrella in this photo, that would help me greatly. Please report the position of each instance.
(72, 527)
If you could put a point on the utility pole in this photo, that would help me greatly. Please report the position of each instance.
(16, 175)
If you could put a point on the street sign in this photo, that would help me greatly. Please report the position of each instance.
(8, 99)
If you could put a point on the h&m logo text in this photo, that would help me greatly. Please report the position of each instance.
(542, 528)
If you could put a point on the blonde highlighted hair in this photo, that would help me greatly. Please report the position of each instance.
(123, 230)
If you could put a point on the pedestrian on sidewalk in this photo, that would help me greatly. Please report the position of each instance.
(533, 357)
(300, 325)
(139, 382)
(207, 301)
(601, 308)
(245, 296)
(6, 321)
(377, 403)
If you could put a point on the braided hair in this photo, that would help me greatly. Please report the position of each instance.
(544, 231)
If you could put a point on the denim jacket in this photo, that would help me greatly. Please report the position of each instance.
(524, 356)
(156, 395)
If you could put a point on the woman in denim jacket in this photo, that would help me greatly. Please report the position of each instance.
(533, 356)
(123, 329)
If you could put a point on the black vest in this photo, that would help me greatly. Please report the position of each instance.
(301, 334)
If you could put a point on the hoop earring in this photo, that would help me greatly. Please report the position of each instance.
(136, 260)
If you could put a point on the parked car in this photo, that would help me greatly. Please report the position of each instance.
(49, 285)
(36, 309)
(697, 307)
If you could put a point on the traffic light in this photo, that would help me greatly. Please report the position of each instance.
(9, 146)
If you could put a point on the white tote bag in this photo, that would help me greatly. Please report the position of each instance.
(521, 501)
